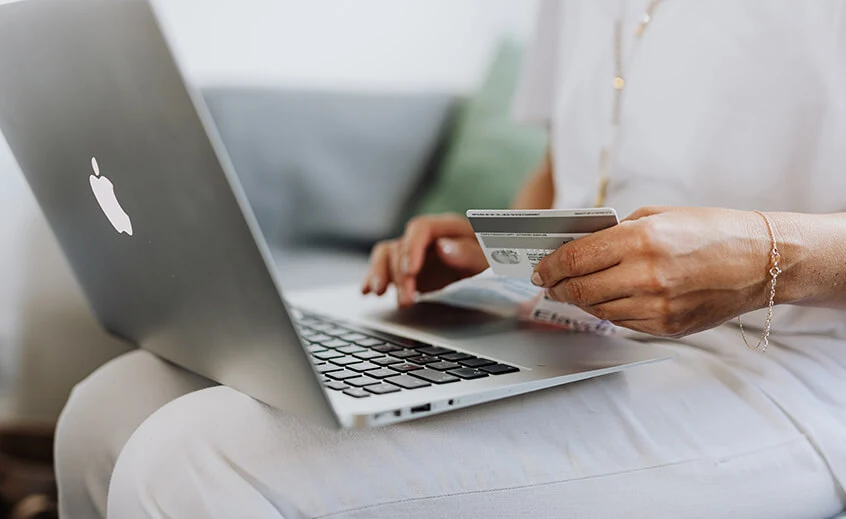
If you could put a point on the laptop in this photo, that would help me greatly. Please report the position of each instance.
(135, 183)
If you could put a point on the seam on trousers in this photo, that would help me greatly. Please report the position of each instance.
(716, 461)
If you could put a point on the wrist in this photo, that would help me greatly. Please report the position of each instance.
(794, 285)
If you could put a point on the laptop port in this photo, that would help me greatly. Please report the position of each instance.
(421, 408)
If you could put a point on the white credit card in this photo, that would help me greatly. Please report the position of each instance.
(515, 241)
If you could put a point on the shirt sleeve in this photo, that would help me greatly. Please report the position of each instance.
(535, 98)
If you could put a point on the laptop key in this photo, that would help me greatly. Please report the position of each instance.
(345, 361)
(476, 363)
(443, 365)
(326, 368)
(382, 389)
(361, 381)
(468, 373)
(499, 369)
(335, 385)
(367, 355)
(423, 359)
(356, 392)
(405, 367)
(319, 338)
(381, 373)
(434, 350)
(343, 375)
(404, 354)
(352, 348)
(407, 382)
(455, 357)
(353, 337)
(335, 343)
(369, 341)
(436, 377)
(327, 355)
(386, 348)
(363, 366)
(385, 361)
(314, 348)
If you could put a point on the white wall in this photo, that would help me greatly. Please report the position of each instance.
(364, 44)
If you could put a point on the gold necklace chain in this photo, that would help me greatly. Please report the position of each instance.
(619, 85)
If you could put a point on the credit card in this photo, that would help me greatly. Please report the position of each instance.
(515, 241)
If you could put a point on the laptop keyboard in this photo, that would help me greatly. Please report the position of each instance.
(363, 364)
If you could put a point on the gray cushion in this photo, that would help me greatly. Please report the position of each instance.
(329, 166)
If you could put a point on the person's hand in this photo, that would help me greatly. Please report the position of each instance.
(434, 252)
(665, 271)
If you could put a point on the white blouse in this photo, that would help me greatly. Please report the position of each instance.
(728, 103)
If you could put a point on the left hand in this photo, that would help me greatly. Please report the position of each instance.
(665, 271)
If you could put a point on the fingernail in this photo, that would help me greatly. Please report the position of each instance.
(537, 280)
(376, 284)
(448, 247)
(404, 265)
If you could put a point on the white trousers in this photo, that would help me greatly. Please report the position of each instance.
(692, 437)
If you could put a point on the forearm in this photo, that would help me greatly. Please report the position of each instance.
(539, 190)
(813, 251)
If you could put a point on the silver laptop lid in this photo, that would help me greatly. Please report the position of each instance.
(130, 174)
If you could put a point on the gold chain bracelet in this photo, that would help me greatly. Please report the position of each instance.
(774, 271)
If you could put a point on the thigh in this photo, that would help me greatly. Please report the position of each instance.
(101, 414)
(685, 438)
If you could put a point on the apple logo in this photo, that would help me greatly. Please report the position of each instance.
(104, 192)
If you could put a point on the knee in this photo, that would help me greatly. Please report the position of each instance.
(181, 462)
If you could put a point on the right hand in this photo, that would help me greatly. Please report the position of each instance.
(434, 252)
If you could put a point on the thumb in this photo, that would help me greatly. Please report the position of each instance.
(461, 253)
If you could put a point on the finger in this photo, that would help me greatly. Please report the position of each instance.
(379, 276)
(463, 254)
(643, 212)
(592, 253)
(610, 284)
(405, 284)
(628, 309)
(421, 232)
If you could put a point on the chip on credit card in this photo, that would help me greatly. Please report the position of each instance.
(515, 241)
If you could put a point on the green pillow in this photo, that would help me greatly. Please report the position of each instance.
(489, 155)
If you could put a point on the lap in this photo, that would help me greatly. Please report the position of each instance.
(679, 438)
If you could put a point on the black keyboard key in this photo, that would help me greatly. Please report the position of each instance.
(361, 381)
(353, 337)
(385, 361)
(404, 354)
(336, 331)
(369, 342)
(407, 382)
(405, 367)
(326, 368)
(335, 385)
(335, 343)
(327, 355)
(499, 369)
(314, 348)
(367, 355)
(344, 361)
(381, 373)
(363, 366)
(342, 375)
(468, 373)
(386, 348)
(408, 343)
(382, 389)
(356, 392)
(443, 365)
(476, 363)
(434, 350)
(423, 359)
(352, 348)
(436, 377)
(455, 357)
